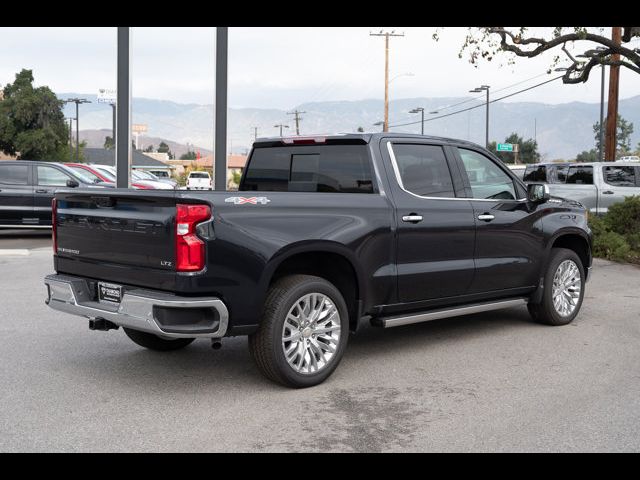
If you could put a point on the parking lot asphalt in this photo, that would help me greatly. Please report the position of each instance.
(11, 239)
(487, 382)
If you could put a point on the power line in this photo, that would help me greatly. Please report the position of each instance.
(446, 107)
(477, 106)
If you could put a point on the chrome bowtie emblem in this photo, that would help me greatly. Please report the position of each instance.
(247, 200)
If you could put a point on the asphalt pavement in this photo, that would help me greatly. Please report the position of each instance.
(487, 382)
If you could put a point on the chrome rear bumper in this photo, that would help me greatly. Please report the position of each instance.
(160, 313)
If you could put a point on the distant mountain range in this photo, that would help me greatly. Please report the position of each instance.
(561, 130)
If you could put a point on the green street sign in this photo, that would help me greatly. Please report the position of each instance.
(505, 147)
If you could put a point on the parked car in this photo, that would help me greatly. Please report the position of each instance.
(163, 176)
(106, 176)
(199, 181)
(599, 185)
(546, 172)
(629, 158)
(518, 170)
(323, 233)
(137, 181)
(27, 189)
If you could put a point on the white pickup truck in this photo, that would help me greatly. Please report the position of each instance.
(199, 181)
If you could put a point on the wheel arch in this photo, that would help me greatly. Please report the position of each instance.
(326, 259)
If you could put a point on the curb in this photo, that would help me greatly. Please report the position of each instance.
(8, 252)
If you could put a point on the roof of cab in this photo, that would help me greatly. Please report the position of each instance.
(362, 138)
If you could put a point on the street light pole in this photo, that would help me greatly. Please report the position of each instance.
(477, 90)
(421, 110)
(77, 101)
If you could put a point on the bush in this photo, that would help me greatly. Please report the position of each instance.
(616, 235)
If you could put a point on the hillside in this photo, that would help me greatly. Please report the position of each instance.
(562, 130)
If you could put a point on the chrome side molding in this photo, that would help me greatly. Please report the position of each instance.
(387, 322)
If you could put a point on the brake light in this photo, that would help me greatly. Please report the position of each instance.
(189, 247)
(304, 140)
(54, 233)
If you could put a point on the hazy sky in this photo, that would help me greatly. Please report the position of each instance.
(278, 67)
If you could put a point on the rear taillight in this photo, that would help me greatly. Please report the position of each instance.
(190, 248)
(54, 236)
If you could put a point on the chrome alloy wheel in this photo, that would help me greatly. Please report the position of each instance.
(311, 333)
(567, 284)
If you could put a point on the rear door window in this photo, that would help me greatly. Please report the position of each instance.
(580, 175)
(424, 170)
(14, 174)
(620, 176)
(327, 168)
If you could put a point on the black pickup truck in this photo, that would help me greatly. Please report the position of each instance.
(324, 232)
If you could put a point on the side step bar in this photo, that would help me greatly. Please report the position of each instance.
(387, 322)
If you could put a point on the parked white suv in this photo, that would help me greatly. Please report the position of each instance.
(199, 181)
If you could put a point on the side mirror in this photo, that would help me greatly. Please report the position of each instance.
(538, 192)
(71, 183)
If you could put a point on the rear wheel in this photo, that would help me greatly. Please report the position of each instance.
(303, 331)
(154, 342)
(563, 289)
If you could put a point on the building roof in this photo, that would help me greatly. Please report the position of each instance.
(102, 156)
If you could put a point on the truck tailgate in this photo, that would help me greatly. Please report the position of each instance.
(117, 228)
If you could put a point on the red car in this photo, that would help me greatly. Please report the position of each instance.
(97, 175)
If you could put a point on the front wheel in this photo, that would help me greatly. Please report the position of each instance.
(303, 332)
(563, 289)
(154, 342)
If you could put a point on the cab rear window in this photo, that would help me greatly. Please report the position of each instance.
(326, 168)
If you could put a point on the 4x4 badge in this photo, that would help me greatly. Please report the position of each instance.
(247, 200)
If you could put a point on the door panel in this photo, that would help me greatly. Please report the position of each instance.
(435, 230)
(509, 237)
(16, 195)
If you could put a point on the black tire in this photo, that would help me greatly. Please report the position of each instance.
(545, 312)
(266, 344)
(153, 342)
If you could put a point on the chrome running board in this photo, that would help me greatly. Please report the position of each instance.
(387, 322)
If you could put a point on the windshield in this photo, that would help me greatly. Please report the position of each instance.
(106, 173)
(146, 175)
(198, 175)
(81, 172)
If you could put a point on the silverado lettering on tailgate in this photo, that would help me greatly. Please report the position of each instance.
(144, 227)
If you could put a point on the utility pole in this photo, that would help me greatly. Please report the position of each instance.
(298, 118)
(612, 108)
(281, 126)
(386, 36)
(255, 133)
(477, 90)
(601, 133)
(77, 101)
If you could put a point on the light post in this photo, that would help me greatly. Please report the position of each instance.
(421, 111)
(77, 101)
(378, 124)
(478, 90)
(281, 126)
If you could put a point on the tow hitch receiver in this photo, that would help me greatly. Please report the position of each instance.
(102, 324)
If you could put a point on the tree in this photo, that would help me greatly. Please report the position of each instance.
(528, 150)
(190, 155)
(149, 149)
(624, 130)
(109, 143)
(360, 129)
(32, 122)
(485, 43)
(587, 156)
(164, 148)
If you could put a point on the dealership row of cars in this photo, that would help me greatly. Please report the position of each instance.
(27, 187)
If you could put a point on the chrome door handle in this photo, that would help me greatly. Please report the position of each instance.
(412, 218)
(607, 192)
(487, 217)
(42, 191)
